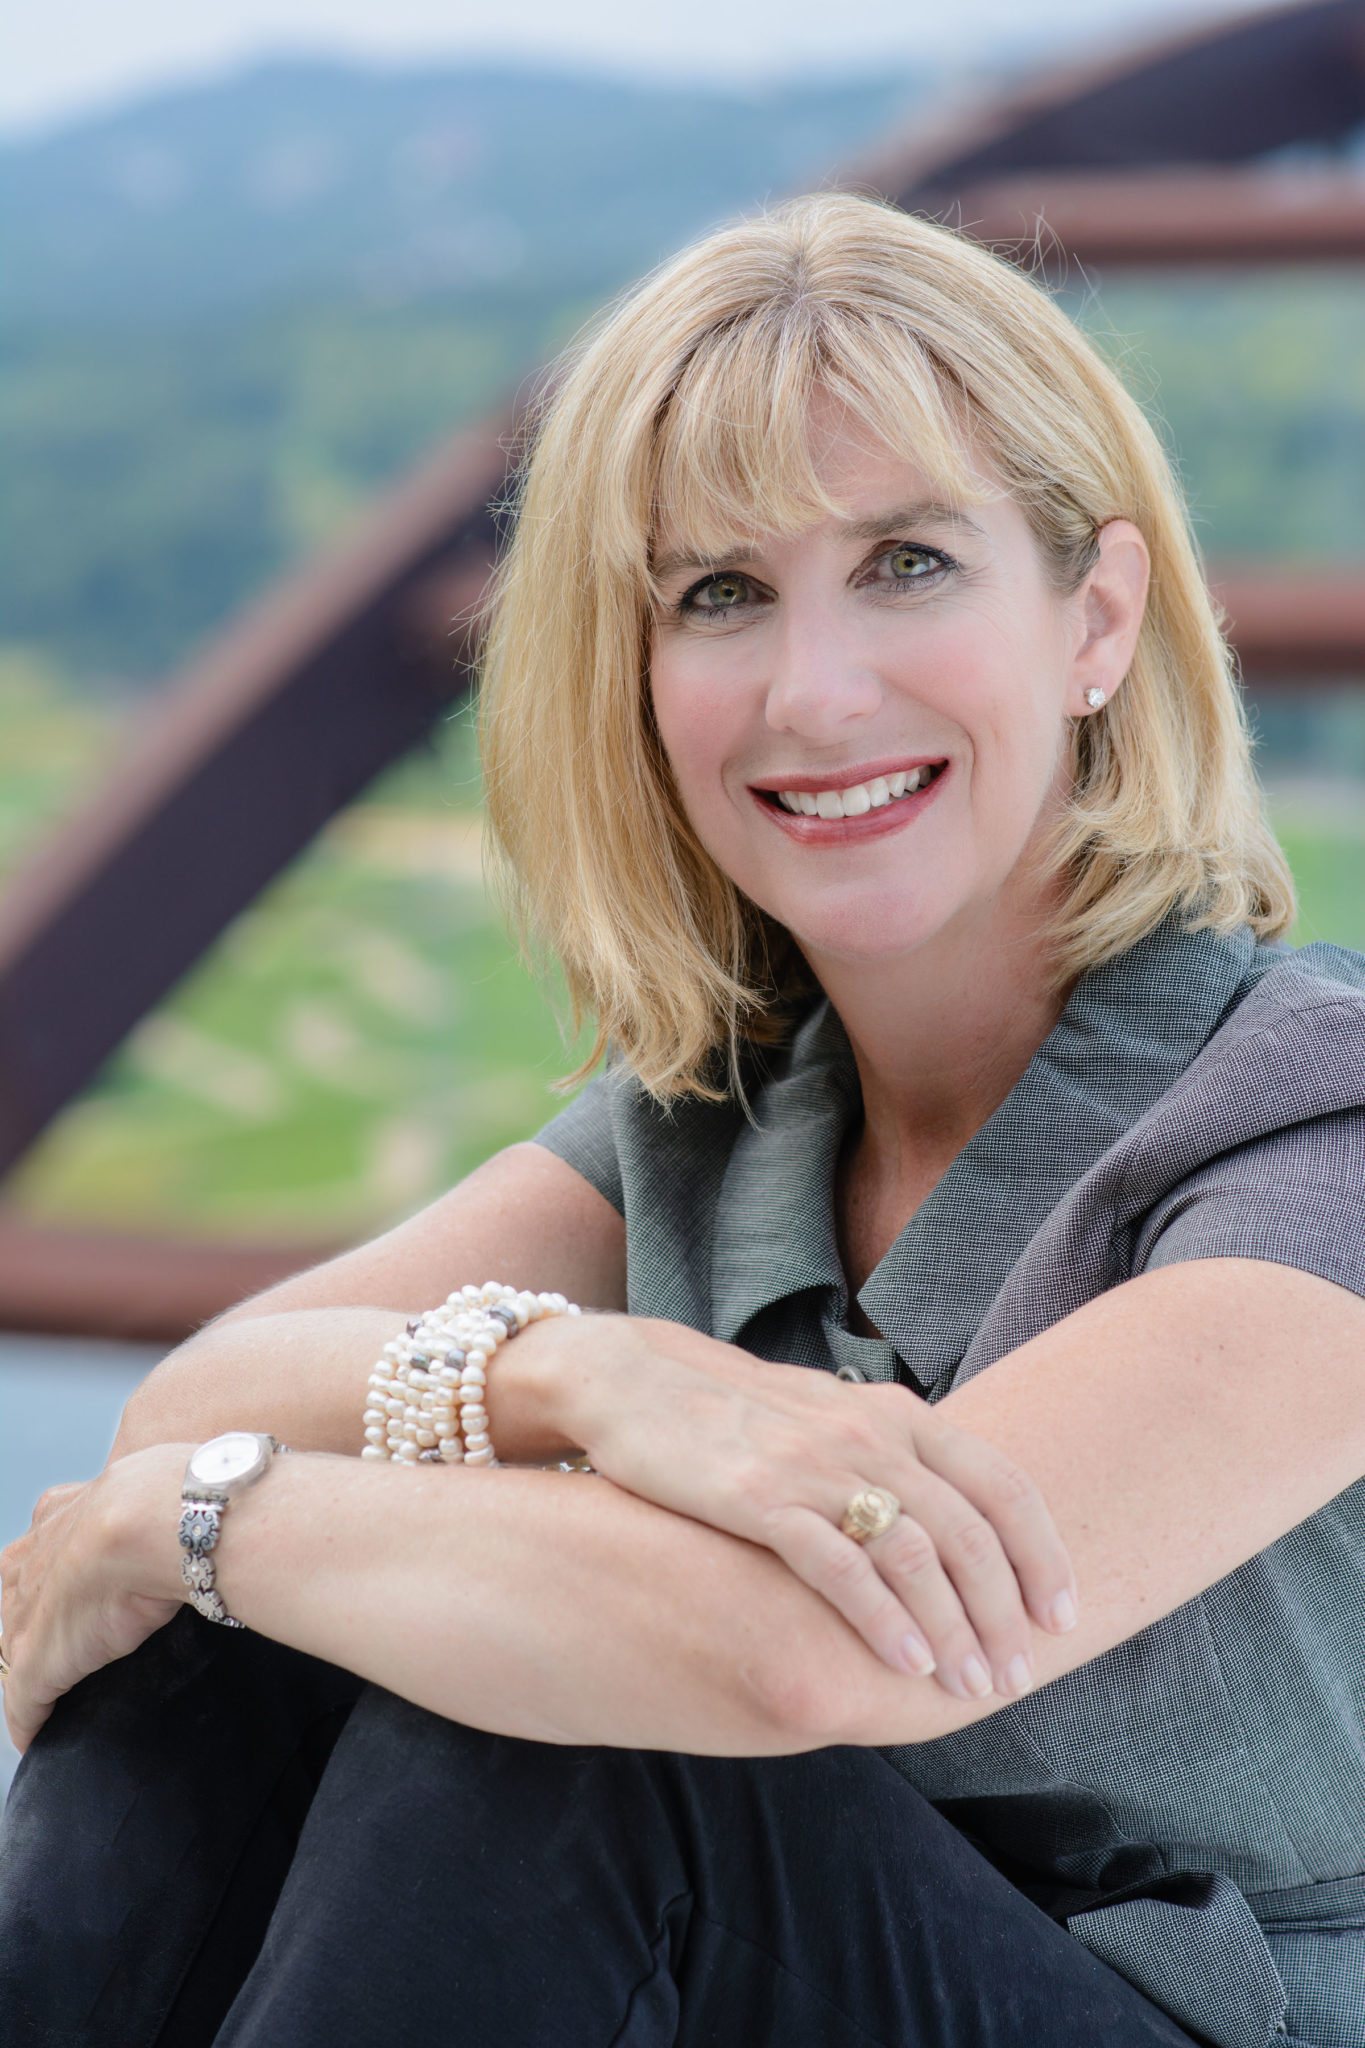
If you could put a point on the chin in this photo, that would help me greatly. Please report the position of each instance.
(873, 932)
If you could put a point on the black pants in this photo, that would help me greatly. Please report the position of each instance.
(220, 1840)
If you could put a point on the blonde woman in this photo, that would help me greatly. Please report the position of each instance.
(962, 1639)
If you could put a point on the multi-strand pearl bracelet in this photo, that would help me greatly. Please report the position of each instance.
(426, 1398)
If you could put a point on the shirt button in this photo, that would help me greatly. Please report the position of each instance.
(850, 1372)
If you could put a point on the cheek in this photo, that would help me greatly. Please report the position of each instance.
(697, 718)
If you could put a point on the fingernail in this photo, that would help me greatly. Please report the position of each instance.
(1063, 1613)
(1018, 1676)
(916, 1655)
(976, 1678)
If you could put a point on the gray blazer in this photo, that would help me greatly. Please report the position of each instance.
(1191, 1804)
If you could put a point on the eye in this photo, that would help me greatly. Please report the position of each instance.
(725, 592)
(908, 562)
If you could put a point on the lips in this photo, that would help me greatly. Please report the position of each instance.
(830, 810)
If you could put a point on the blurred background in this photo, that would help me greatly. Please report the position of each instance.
(273, 281)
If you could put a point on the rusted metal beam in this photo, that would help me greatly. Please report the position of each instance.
(144, 1290)
(1173, 217)
(1221, 93)
(1295, 629)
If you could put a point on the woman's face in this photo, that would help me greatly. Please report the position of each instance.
(867, 723)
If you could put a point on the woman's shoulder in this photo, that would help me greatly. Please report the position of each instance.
(1253, 1149)
(1304, 976)
(1300, 1020)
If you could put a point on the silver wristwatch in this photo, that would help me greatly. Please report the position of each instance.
(220, 1469)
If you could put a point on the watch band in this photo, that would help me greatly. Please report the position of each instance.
(201, 1523)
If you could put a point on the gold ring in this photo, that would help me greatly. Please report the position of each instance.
(870, 1513)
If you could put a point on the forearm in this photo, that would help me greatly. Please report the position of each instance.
(294, 1361)
(535, 1604)
(543, 1605)
(300, 1375)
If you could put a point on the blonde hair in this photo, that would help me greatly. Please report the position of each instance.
(691, 400)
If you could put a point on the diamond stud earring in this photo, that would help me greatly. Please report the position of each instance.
(1094, 698)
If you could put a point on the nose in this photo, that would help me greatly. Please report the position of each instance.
(819, 685)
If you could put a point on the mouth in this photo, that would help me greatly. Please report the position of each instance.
(833, 812)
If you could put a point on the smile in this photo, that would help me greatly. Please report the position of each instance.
(884, 799)
(859, 797)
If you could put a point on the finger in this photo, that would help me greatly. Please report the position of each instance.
(910, 1558)
(833, 1566)
(1007, 1496)
(972, 1558)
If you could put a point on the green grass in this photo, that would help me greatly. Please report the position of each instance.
(1326, 850)
(365, 1033)
(51, 744)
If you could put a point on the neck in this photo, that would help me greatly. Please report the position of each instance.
(940, 1037)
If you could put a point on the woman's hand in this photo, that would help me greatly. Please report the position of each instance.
(93, 1576)
(774, 1454)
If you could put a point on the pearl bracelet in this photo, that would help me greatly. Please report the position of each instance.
(426, 1396)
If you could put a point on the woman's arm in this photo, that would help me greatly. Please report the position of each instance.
(1178, 1424)
(293, 1361)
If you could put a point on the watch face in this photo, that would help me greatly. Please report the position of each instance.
(225, 1458)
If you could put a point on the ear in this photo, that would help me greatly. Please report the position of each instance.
(1108, 611)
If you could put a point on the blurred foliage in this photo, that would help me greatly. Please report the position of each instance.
(1256, 382)
(52, 741)
(156, 482)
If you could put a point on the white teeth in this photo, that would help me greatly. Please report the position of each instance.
(855, 801)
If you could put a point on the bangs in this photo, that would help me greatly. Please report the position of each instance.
(733, 458)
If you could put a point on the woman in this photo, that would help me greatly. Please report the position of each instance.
(860, 737)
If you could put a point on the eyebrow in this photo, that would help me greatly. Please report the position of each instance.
(877, 526)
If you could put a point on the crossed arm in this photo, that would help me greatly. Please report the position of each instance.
(1174, 1427)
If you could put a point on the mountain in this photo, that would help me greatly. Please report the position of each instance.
(299, 181)
(229, 314)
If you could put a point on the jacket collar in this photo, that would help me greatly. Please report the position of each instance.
(1129, 1030)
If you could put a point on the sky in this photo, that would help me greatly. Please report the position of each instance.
(66, 58)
